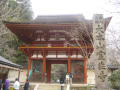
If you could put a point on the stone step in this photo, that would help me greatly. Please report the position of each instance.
(49, 87)
(44, 86)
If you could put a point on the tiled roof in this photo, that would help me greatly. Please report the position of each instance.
(53, 19)
(4, 61)
(59, 19)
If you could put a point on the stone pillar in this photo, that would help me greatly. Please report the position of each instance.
(100, 52)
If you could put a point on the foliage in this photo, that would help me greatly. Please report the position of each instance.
(26, 13)
(115, 80)
(13, 10)
(19, 56)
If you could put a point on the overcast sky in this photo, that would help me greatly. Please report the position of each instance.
(86, 7)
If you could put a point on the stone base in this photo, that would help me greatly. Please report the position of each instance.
(102, 89)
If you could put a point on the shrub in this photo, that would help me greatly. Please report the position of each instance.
(115, 80)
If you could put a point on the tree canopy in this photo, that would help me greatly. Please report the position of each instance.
(13, 10)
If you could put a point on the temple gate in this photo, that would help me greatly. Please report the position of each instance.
(45, 44)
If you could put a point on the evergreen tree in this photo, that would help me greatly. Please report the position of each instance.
(13, 10)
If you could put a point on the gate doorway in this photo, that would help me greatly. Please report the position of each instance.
(55, 68)
(58, 71)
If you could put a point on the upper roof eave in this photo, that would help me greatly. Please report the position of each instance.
(108, 19)
(33, 27)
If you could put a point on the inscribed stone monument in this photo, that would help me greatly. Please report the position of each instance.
(100, 52)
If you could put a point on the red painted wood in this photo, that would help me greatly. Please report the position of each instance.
(48, 72)
(58, 59)
(56, 49)
(85, 70)
(44, 64)
(69, 64)
(29, 65)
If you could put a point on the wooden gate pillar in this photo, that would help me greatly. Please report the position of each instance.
(85, 70)
(48, 72)
(69, 65)
(44, 67)
(29, 65)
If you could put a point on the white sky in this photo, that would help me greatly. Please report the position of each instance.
(85, 7)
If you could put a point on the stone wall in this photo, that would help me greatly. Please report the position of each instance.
(23, 75)
(13, 74)
(90, 77)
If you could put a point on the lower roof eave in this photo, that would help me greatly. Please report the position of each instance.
(9, 67)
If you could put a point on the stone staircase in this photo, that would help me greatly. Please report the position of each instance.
(45, 86)
(49, 87)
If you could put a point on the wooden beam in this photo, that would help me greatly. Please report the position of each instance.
(39, 47)
(57, 62)
(57, 59)
(33, 26)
